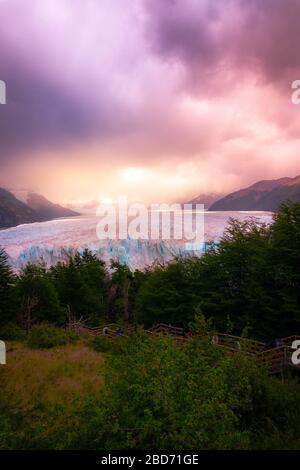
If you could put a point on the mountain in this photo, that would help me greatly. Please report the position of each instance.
(22, 207)
(88, 207)
(14, 212)
(47, 210)
(266, 195)
(206, 199)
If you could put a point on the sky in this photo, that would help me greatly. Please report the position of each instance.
(158, 100)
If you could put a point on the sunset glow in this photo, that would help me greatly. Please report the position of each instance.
(158, 98)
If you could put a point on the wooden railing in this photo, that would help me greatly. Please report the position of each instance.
(110, 330)
(275, 360)
(290, 339)
(166, 330)
(236, 343)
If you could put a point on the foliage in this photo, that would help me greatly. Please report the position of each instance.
(284, 262)
(105, 344)
(121, 289)
(12, 332)
(44, 396)
(249, 284)
(45, 336)
(81, 286)
(38, 297)
(7, 300)
(157, 395)
(167, 296)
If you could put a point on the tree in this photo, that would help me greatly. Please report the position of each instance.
(120, 301)
(81, 284)
(250, 279)
(167, 295)
(284, 261)
(7, 284)
(234, 278)
(38, 297)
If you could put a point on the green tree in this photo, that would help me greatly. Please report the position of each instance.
(7, 284)
(81, 284)
(234, 278)
(283, 277)
(121, 292)
(38, 297)
(251, 278)
(166, 295)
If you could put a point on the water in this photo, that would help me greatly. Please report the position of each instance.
(52, 241)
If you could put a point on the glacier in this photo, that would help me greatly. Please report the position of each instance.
(55, 240)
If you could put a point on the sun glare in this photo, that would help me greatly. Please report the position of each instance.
(133, 174)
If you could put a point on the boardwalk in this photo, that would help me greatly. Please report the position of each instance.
(276, 360)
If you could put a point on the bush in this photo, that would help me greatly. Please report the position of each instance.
(8, 307)
(12, 332)
(44, 336)
(109, 345)
(47, 397)
(160, 396)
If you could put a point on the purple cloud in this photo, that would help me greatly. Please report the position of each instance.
(213, 38)
(193, 87)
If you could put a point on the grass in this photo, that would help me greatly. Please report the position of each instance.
(44, 395)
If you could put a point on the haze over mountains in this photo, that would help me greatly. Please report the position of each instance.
(206, 199)
(22, 207)
(266, 195)
(45, 209)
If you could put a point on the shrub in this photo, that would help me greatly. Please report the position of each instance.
(195, 397)
(12, 332)
(44, 336)
(47, 397)
(109, 345)
(8, 305)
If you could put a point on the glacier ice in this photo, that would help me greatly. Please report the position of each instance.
(53, 241)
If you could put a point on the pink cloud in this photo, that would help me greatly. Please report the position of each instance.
(194, 91)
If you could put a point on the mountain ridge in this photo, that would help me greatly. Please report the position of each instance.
(264, 195)
(28, 208)
(47, 209)
(207, 199)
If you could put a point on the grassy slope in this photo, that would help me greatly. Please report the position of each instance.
(44, 395)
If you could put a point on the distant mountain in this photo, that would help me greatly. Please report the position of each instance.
(206, 199)
(88, 207)
(14, 212)
(266, 195)
(26, 207)
(47, 210)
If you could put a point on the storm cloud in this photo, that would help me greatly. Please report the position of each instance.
(191, 90)
(213, 38)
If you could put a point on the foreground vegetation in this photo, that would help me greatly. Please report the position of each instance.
(147, 393)
(62, 392)
(44, 394)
